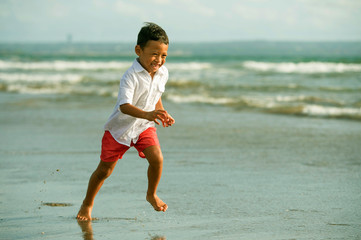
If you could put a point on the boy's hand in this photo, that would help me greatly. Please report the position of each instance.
(154, 116)
(166, 119)
(169, 121)
(157, 114)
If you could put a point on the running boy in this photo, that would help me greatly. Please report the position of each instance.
(138, 107)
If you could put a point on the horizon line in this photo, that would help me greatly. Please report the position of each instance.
(179, 42)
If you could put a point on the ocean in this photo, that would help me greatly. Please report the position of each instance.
(301, 79)
(266, 143)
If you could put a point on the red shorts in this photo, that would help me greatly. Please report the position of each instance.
(112, 150)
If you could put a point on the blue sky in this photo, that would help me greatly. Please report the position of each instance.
(184, 20)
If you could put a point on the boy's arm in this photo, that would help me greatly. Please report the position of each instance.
(133, 111)
(159, 105)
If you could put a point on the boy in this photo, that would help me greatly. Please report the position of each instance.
(138, 107)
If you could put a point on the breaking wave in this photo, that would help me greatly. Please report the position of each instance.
(53, 78)
(281, 67)
(231, 84)
(303, 67)
(189, 66)
(63, 65)
(289, 105)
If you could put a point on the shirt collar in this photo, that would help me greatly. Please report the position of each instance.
(138, 68)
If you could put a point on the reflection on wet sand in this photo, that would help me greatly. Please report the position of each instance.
(87, 229)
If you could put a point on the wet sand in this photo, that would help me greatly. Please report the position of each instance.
(227, 174)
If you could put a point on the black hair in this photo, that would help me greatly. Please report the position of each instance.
(151, 31)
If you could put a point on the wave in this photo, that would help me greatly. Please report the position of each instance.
(31, 78)
(302, 67)
(189, 66)
(64, 65)
(200, 99)
(70, 84)
(308, 99)
(183, 85)
(63, 89)
(288, 105)
(282, 67)
(279, 104)
(254, 101)
(214, 83)
(59, 65)
(319, 111)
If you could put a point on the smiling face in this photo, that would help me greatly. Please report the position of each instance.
(152, 56)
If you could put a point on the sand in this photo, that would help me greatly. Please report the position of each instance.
(227, 174)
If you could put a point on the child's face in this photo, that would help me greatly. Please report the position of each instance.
(152, 56)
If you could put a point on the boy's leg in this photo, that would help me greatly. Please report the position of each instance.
(155, 158)
(96, 180)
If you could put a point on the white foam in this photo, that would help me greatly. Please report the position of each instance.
(303, 67)
(252, 101)
(64, 65)
(290, 98)
(51, 78)
(61, 89)
(19, 88)
(199, 99)
(317, 110)
(92, 65)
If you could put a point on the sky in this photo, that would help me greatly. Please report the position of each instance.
(183, 20)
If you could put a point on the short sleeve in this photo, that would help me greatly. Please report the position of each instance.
(126, 90)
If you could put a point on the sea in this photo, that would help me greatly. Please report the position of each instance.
(307, 79)
(265, 145)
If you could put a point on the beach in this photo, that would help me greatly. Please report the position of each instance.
(227, 174)
(266, 143)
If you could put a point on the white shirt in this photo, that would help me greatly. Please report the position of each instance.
(139, 89)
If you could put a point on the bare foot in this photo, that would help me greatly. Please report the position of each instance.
(84, 213)
(157, 203)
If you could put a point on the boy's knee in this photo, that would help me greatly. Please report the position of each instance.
(159, 160)
(104, 172)
(154, 155)
(156, 161)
